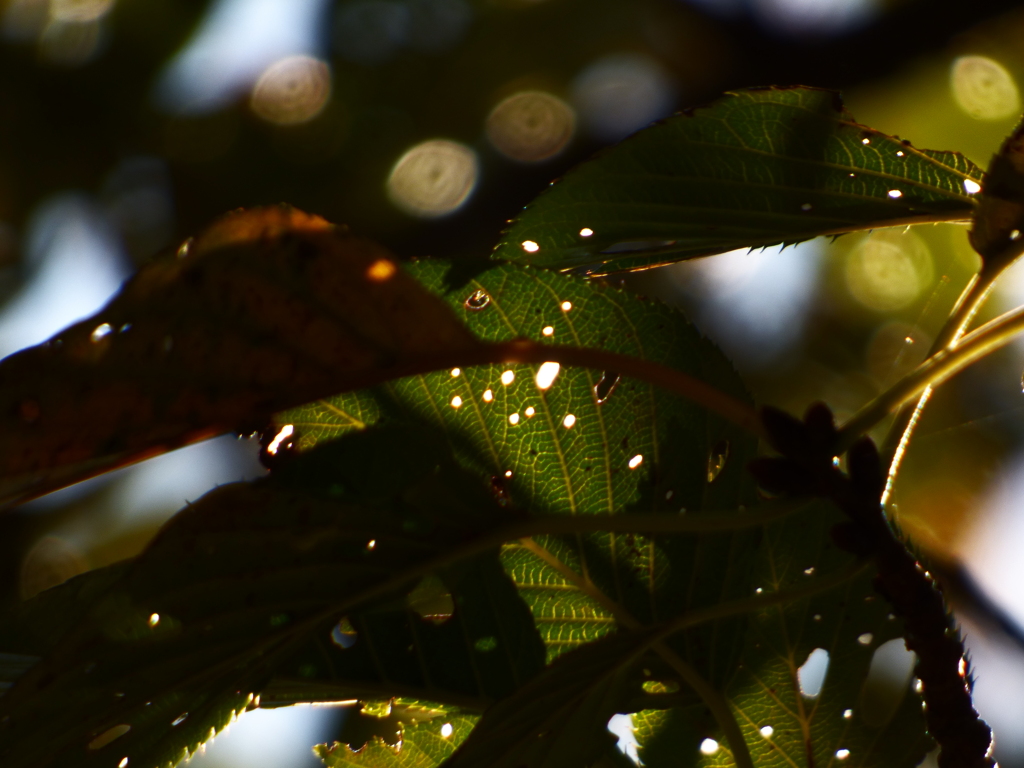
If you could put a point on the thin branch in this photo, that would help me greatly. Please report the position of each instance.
(970, 302)
(933, 372)
(525, 351)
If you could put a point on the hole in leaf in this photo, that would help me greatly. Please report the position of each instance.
(477, 300)
(431, 600)
(708, 747)
(622, 726)
(604, 388)
(811, 675)
(887, 682)
(344, 635)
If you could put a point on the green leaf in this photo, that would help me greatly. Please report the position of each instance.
(560, 717)
(755, 168)
(559, 451)
(243, 591)
(266, 309)
(849, 620)
(422, 744)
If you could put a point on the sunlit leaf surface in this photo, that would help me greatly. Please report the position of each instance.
(755, 168)
(843, 723)
(266, 309)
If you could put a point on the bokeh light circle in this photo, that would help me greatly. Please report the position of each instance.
(531, 126)
(888, 269)
(292, 90)
(433, 178)
(983, 88)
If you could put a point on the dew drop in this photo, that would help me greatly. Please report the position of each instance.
(488, 396)
(972, 187)
(586, 232)
(865, 639)
(456, 402)
(895, 194)
(530, 412)
(767, 731)
(100, 332)
(108, 736)
(566, 306)
(477, 300)
(530, 246)
(636, 461)
(717, 459)
(569, 421)
(546, 375)
(548, 330)
(708, 747)
(344, 635)
(513, 419)
(508, 377)
(446, 730)
(154, 619)
(842, 754)
(604, 388)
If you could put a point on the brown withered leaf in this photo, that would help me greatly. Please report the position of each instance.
(266, 309)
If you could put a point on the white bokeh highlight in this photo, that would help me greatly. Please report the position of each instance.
(236, 41)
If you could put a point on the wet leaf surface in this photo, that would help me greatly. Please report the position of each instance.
(266, 309)
(755, 168)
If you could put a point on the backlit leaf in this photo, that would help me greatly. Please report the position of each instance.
(755, 168)
(577, 448)
(244, 591)
(266, 309)
(839, 726)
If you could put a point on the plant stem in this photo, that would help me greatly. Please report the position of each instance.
(932, 372)
(525, 351)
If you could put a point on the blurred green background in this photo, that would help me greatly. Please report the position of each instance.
(126, 125)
